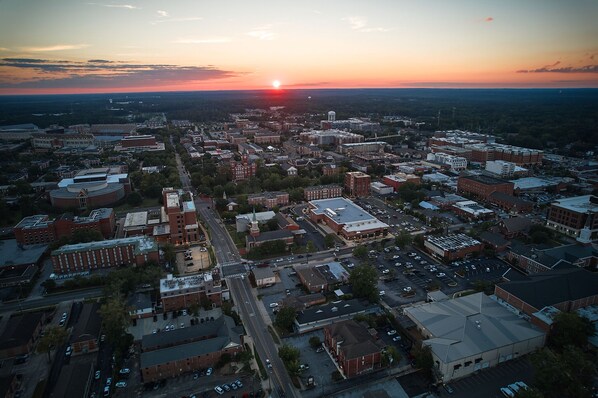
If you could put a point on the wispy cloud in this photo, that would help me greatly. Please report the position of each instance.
(206, 40)
(162, 13)
(262, 33)
(56, 47)
(488, 19)
(101, 73)
(552, 68)
(360, 24)
(182, 19)
(125, 6)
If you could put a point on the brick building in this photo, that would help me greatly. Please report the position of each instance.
(46, 142)
(571, 215)
(86, 333)
(510, 203)
(265, 137)
(565, 290)
(399, 179)
(268, 199)
(189, 349)
(322, 192)
(182, 217)
(357, 184)
(482, 186)
(531, 260)
(243, 170)
(353, 348)
(20, 334)
(179, 293)
(40, 229)
(139, 143)
(80, 257)
(452, 247)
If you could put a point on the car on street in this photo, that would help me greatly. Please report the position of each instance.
(391, 332)
(219, 390)
(268, 364)
(209, 371)
(407, 289)
(98, 374)
(121, 384)
(107, 391)
(69, 351)
(109, 381)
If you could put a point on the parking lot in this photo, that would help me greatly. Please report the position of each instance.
(192, 260)
(148, 325)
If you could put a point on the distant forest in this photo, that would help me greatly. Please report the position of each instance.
(535, 118)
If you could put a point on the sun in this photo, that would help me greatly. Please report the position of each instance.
(276, 84)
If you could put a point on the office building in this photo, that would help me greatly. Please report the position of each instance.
(322, 192)
(357, 184)
(178, 293)
(481, 186)
(576, 217)
(452, 247)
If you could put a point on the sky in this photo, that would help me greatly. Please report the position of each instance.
(75, 46)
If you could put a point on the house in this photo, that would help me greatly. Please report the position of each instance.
(86, 332)
(514, 226)
(263, 276)
(471, 333)
(324, 277)
(353, 348)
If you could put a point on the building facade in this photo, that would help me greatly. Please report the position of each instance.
(357, 184)
(243, 170)
(322, 192)
(481, 186)
(452, 247)
(269, 199)
(571, 215)
(178, 293)
(182, 217)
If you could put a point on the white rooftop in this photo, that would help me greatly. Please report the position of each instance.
(135, 219)
(579, 204)
(344, 211)
(173, 283)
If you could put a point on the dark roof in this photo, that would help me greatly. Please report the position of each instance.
(273, 235)
(355, 339)
(89, 323)
(190, 342)
(263, 272)
(73, 381)
(493, 239)
(561, 256)
(217, 328)
(484, 179)
(554, 287)
(19, 330)
(516, 224)
(140, 301)
(327, 311)
(513, 200)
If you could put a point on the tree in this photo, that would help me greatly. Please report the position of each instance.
(423, 357)
(53, 337)
(134, 199)
(329, 240)
(569, 328)
(286, 318)
(392, 356)
(403, 239)
(315, 342)
(49, 284)
(169, 254)
(86, 235)
(310, 247)
(360, 252)
(290, 357)
(115, 318)
(363, 280)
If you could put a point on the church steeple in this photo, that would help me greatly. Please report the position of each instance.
(254, 229)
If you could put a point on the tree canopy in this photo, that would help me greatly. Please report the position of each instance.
(363, 279)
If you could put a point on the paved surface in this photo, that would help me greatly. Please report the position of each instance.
(51, 300)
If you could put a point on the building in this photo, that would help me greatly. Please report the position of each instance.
(81, 257)
(510, 203)
(40, 229)
(565, 290)
(399, 179)
(189, 349)
(92, 188)
(182, 217)
(500, 168)
(18, 132)
(243, 221)
(74, 380)
(263, 276)
(381, 189)
(353, 347)
(139, 143)
(455, 163)
(362, 147)
(266, 137)
(48, 142)
(322, 192)
(243, 170)
(21, 334)
(514, 226)
(481, 186)
(317, 317)
(531, 260)
(471, 210)
(357, 184)
(572, 216)
(471, 333)
(140, 305)
(269, 199)
(256, 238)
(179, 293)
(346, 219)
(330, 137)
(323, 277)
(452, 247)
(86, 333)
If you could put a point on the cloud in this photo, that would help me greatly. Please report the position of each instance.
(162, 13)
(99, 73)
(182, 19)
(125, 6)
(207, 40)
(564, 69)
(56, 47)
(488, 19)
(309, 84)
(360, 24)
(262, 33)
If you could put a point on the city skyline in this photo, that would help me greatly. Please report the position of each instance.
(131, 46)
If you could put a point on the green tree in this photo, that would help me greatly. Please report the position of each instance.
(329, 240)
(360, 252)
(391, 356)
(423, 357)
(403, 239)
(169, 254)
(134, 199)
(286, 318)
(86, 235)
(315, 342)
(290, 357)
(115, 318)
(570, 328)
(310, 247)
(363, 279)
(53, 337)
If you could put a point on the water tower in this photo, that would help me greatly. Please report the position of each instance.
(331, 116)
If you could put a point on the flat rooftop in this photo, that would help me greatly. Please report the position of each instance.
(344, 211)
(172, 199)
(136, 219)
(143, 244)
(452, 242)
(172, 283)
(11, 254)
(579, 204)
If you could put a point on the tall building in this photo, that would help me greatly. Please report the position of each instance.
(482, 186)
(575, 217)
(243, 170)
(500, 168)
(456, 163)
(331, 116)
(178, 293)
(357, 183)
(182, 218)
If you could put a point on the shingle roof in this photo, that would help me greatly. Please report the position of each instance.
(19, 330)
(89, 323)
(355, 338)
(516, 224)
(553, 287)
(333, 309)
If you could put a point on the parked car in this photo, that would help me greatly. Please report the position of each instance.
(109, 381)
(124, 371)
(98, 374)
(320, 349)
(219, 390)
(448, 388)
(391, 332)
(407, 289)
(238, 383)
(121, 384)
(507, 392)
(69, 351)
(209, 371)
(396, 338)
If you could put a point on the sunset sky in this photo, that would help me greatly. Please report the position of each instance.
(75, 46)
